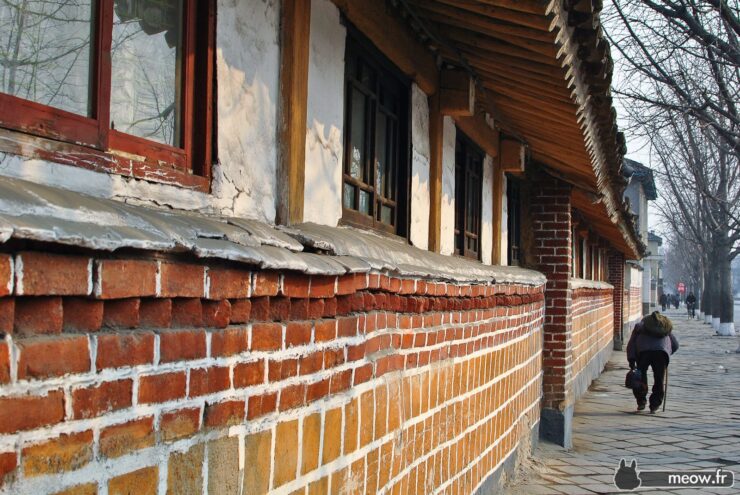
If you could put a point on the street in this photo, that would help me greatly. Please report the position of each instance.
(700, 429)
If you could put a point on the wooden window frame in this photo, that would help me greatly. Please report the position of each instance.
(357, 45)
(35, 130)
(471, 170)
(514, 220)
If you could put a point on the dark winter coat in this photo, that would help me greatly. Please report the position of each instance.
(641, 341)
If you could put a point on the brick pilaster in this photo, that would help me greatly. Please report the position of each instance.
(550, 213)
(616, 278)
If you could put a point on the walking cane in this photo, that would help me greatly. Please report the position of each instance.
(665, 391)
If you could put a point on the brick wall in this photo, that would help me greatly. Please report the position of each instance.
(593, 331)
(550, 214)
(159, 376)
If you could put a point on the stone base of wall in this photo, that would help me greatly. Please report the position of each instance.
(557, 426)
(495, 482)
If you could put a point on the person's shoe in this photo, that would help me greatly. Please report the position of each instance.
(641, 406)
(653, 409)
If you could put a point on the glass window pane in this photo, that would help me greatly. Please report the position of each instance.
(145, 69)
(381, 156)
(45, 52)
(357, 160)
(349, 196)
(386, 215)
(364, 202)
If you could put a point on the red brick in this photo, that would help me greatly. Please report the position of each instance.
(267, 337)
(82, 315)
(180, 345)
(7, 278)
(259, 405)
(216, 313)
(227, 413)
(312, 363)
(204, 381)
(228, 283)
(292, 396)
(241, 310)
(299, 308)
(90, 402)
(333, 357)
(229, 341)
(295, 285)
(46, 274)
(297, 333)
(330, 307)
(46, 357)
(155, 313)
(279, 308)
(347, 327)
(162, 388)
(121, 313)
(118, 279)
(38, 315)
(260, 310)
(280, 370)
(363, 374)
(266, 284)
(22, 413)
(187, 312)
(179, 424)
(326, 330)
(123, 438)
(4, 363)
(116, 350)
(317, 308)
(8, 463)
(341, 381)
(316, 391)
(323, 286)
(181, 280)
(247, 374)
(7, 314)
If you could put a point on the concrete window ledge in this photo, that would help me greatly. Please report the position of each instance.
(580, 283)
(30, 211)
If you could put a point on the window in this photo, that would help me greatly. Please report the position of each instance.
(127, 75)
(376, 158)
(468, 188)
(514, 220)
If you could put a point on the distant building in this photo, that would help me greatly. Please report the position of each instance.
(639, 286)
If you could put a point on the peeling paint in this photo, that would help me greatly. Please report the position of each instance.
(447, 234)
(419, 231)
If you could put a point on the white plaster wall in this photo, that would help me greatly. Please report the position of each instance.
(447, 234)
(419, 231)
(486, 227)
(325, 116)
(247, 68)
(504, 246)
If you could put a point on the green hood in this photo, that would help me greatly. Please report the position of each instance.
(656, 325)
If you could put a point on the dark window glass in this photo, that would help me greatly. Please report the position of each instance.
(376, 140)
(514, 219)
(468, 187)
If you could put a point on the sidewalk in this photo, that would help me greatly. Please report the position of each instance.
(699, 430)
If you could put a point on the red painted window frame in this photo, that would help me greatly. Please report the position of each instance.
(89, 142)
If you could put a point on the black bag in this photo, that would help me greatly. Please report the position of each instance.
(633, 380)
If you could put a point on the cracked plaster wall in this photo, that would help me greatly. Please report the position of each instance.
(419, 233)
(486, 234)
(325, 116)
(447, 236)
(504, 224)
(247, 68)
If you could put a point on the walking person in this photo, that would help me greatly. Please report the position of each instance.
(691, 305)
(663, 301)
(650, 346)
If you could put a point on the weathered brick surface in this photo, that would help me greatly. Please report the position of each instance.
(47, 274)
(64, 453)
(46, 357)
(117, 279)
(38, 315)
(82, 314)
(121, 313)
(447, 372)
(144, 481)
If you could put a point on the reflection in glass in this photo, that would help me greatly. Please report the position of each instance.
(349, 196)
(357, 159)
(364, 202)
(145, 69)
(45, 52)
(386, 215)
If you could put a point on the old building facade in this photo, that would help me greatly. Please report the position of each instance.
(318, 246)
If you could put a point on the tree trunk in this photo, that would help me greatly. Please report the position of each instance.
(726, 302)
(706, 296)
(716, 302)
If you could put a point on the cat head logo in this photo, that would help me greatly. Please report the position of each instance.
(626, 476)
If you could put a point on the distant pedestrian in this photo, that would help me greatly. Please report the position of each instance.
(676, 300)
(650, 346)
(691, 304)
(663, 301)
